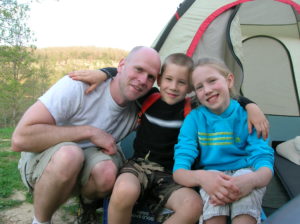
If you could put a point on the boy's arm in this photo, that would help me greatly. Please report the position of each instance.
(256, 117)
(93, 77)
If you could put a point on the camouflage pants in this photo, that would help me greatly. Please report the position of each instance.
(156, 184)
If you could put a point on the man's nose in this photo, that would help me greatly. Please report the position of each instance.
(143, 78)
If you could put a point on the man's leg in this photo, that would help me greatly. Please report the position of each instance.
(101, 180)
(125, 194)
(97, 180)
(187, 206)
(99, 173)
(57, 181)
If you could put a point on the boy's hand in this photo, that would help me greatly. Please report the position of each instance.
(91, 77)
(257, 119)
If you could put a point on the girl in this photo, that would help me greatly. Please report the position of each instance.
(235, 165)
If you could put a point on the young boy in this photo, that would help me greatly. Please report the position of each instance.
(147, 177)
(216, 132)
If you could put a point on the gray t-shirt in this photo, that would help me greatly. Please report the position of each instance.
(69, 105)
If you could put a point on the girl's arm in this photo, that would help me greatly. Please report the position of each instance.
(93, 77)
(256, 117)
(218, 185)
(261, 160)
(248, 182)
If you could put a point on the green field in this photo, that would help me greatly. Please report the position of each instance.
(9, 175)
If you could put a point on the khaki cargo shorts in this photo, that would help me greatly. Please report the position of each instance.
(32, 165)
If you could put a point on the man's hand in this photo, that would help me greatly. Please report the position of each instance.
(105, 141)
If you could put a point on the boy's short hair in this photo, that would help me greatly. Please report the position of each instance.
(178, 59)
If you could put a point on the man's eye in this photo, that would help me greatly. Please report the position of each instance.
(151, 77)
(139, 69)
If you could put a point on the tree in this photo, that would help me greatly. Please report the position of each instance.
(13, 28)
(17, 74)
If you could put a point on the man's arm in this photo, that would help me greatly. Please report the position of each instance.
(37, 131)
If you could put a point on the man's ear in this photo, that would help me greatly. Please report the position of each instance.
(159, 79)
(121, 65)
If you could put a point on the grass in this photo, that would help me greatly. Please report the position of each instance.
(5, 136)
(10, 180)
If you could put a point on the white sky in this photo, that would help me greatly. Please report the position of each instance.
(102, 23)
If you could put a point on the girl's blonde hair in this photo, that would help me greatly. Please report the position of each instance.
(221, 67)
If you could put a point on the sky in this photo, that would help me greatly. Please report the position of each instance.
(102, 23)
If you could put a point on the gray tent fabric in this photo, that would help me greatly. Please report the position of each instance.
(257, 39)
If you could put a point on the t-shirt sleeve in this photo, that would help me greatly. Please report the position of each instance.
(109, 71)
(244, 101)
(63, 99)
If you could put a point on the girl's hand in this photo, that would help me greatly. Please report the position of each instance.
(245, 184)
(257, 119)
(91, 77)
(219, 187)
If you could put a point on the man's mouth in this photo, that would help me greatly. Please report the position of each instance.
(137, 88)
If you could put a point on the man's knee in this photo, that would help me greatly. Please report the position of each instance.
(67, 161)
(104, 175)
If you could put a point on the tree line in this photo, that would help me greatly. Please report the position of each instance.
(27, 72)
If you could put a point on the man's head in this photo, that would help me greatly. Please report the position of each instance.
(136, 74)
(174, 81)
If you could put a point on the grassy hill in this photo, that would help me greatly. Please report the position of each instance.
(62, 60)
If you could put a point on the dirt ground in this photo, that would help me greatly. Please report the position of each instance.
(23, 214)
